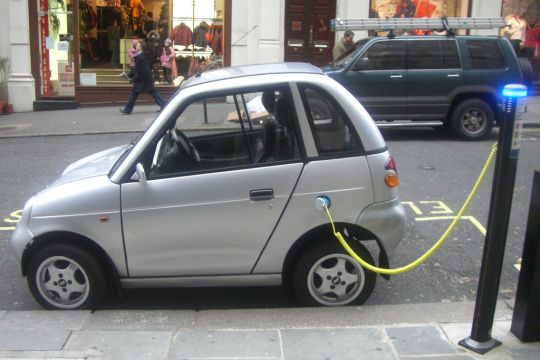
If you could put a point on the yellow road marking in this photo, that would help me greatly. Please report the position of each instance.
(413, 207)
(472, 219)
(443, 209)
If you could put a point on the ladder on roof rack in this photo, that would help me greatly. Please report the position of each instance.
(445, 23)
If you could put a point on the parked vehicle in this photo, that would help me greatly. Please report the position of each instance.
(455, 80)
(217, 192)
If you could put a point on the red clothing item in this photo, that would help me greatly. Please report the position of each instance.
(532, 37)
(182, 35)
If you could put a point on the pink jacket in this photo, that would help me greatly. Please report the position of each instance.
(166, 60)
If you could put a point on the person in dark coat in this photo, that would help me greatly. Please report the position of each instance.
(143, 81)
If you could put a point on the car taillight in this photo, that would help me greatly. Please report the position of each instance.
(391, 179)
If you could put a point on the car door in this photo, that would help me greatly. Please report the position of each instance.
(213, 212)
(378, 79)
(434, 72)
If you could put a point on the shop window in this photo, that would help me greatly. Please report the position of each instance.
(55, 49)
(108, 29)
(197, 35)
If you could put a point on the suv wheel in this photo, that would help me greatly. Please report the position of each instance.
(65, 277)
(327, 275)
(472, 119)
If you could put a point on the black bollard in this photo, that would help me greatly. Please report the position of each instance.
(504, 176)
(526, 317)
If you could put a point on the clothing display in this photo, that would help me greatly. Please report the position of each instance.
(181, 35)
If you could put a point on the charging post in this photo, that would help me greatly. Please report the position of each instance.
(502, 191)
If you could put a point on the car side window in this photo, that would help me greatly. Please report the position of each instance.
(485, 54)
(227, 132)
(331, 129)
(383, 55)
(450, 54)
(425, 54)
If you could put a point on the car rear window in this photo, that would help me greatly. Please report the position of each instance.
(332, 130)
(485, 54)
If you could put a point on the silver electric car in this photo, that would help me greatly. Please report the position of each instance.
(222, 190)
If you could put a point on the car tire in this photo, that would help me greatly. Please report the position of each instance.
(65, 277)
(472, 119)
(345, 281)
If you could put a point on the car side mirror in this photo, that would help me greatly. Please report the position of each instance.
(140, 174)
(361, 64)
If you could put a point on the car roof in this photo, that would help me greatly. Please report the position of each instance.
(252, 70)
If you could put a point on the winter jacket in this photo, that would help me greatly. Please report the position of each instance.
(166, 60)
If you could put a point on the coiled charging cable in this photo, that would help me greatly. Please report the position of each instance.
(439, 242)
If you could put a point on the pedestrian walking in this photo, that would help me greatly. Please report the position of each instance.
(143, 81)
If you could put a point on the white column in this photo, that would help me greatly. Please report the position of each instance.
(486, 8)
(257, 31)
(21, 85)
(352, 9)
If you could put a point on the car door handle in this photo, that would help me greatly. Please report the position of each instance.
(397, 76)
(261, 194)
(452, 75)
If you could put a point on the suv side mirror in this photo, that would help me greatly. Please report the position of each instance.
(361, 64)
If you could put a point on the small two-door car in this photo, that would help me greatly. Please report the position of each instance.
(222, 190)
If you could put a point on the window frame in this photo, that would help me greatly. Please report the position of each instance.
(147, 156)
(359, 151)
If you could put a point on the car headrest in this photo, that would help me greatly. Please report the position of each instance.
(268, 99)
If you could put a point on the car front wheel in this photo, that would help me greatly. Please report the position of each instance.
(64, 277)
(473, 119)
(326, 275)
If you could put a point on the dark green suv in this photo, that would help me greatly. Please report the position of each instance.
(455, 80)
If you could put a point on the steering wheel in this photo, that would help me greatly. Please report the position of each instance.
(181, 139)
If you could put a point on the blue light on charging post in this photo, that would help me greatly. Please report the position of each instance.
(514, 91)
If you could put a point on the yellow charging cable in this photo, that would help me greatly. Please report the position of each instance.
(439, 242)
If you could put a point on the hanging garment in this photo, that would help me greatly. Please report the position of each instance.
(181, 35)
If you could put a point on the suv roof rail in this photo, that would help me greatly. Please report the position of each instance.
(444, 23)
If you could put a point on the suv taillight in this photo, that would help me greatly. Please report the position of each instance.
(391, 179)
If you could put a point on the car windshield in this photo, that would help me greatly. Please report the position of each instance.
(350, 53)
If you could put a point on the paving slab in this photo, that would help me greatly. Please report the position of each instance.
(525, 353)
(122, 345)
(343, 344)
(140, 320)
(33, 340)
(43, 320)
(226, 344)
(367, 315)
(420, 340)
(51, 355)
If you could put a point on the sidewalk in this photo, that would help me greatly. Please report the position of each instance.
(411, 331)
(109, 120)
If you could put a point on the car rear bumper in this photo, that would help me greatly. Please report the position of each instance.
(387, 221)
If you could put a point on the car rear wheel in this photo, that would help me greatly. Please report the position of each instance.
(472, 119)
(65, 277)
(326, 275)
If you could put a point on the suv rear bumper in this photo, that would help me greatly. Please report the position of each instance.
(387, 221)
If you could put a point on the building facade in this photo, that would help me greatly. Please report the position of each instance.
(68, 53)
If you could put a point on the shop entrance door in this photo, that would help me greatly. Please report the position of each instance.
(308, 37)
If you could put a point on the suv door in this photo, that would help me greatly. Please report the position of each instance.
(378, 79)
(434, 72)
(210, 203)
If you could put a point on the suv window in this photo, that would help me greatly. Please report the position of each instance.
(228, 132)
(433, 54)
(383, 55)
(485, 54)
(332, 132)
